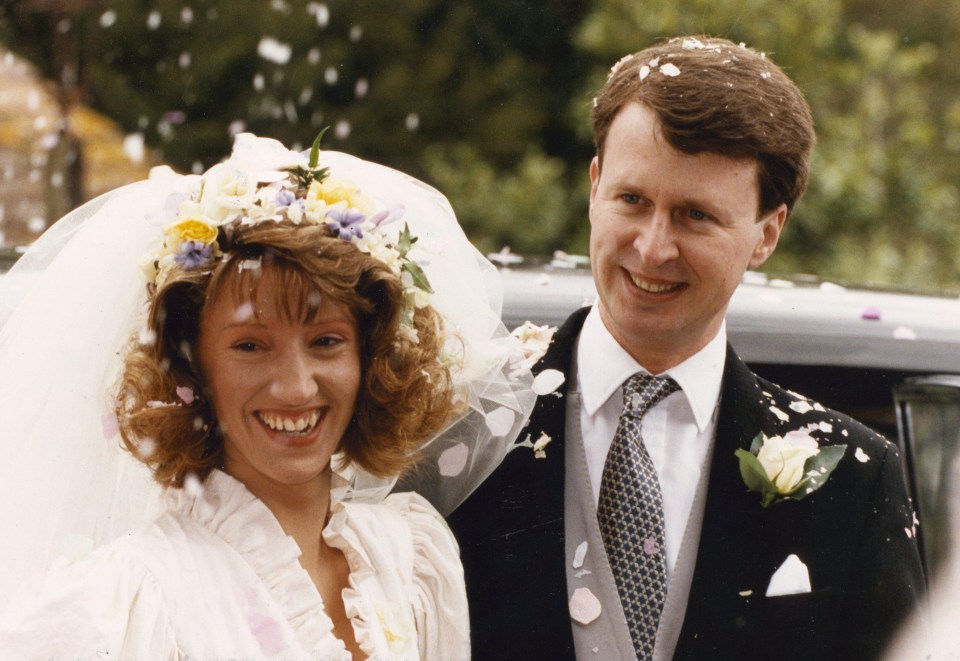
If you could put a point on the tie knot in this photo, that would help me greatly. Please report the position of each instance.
(641, 391)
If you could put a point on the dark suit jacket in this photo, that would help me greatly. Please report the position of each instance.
(852, 535)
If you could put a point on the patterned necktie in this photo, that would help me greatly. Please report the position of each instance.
(631, 515)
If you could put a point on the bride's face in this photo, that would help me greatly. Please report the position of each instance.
(283, 390)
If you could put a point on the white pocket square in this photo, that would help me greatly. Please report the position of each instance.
(791, 578)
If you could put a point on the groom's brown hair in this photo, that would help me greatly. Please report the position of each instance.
(714, 96)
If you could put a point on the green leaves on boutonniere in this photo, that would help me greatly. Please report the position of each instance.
(788, 467)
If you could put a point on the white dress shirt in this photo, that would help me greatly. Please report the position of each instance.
(677, 432)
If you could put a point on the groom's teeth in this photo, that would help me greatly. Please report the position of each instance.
(290, 425)
(651, 287)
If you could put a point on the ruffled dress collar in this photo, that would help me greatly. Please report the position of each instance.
(226, 508)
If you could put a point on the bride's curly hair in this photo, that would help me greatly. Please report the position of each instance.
(406, 391)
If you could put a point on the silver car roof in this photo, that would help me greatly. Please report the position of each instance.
(779, 321)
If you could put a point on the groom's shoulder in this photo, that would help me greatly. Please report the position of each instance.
(787, 411)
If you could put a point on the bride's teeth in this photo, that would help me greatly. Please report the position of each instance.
(290, 425)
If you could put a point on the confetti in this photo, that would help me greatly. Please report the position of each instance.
(186, 394)
(650, 546)
(579, 555)
(780, 414)
(548, 381)
(904, 333)
(500, 421)
(453, 460)
(861, 456)
(670, 69)
(540, 446)
(584, 606)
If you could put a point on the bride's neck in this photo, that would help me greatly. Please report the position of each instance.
(301, 509)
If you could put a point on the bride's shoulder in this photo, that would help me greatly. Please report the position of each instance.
(405, 523)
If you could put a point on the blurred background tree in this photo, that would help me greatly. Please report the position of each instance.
(490, 102)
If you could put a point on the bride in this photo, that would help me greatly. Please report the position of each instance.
(310, 326)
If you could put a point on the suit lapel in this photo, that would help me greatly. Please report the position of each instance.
(739, 541)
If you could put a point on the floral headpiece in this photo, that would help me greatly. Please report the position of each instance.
(264, 181)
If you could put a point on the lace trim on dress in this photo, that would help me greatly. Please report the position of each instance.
(226, 508)
(378, 623)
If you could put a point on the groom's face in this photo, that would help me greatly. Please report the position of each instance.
(671, 235)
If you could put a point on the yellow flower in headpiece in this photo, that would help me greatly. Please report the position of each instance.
(193, 229)
(333, 192)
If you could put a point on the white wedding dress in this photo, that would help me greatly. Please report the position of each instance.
(215, 577)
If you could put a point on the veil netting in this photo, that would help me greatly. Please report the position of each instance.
(66, 485)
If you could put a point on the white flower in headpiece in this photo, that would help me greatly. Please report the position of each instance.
(267, 160)
(227, 191)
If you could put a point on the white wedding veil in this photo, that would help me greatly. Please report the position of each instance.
(65, 483)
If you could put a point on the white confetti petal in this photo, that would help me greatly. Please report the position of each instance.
(780, 414)
(500, 421)
(861, 456)
(582, 573)
(273, 50)
(904, 333)
(825, 427)
(745, 593)
(670, 69)
(579, 555)
(584, 606)
(453, 460)
(801, 406)
(644, 71)
(192, 485)
(540, 446)
(547, 381)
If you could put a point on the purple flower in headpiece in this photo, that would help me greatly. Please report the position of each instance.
(285, 198)
(346, 223)
(193, 254)
(387, 216)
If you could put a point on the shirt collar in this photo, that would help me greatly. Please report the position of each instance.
(699, 376)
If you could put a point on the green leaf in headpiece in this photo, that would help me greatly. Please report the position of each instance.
(315, 149)
(419, 277)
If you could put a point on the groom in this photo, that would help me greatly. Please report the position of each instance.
(636, 536)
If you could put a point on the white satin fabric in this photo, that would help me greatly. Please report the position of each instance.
(215, 577)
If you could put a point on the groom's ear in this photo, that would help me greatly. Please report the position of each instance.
(594, 179)
(770, 227)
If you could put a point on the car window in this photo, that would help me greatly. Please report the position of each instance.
(928, 411)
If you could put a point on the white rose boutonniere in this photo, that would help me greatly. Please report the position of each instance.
(788, 467)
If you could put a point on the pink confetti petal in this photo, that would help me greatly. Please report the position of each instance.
(650, 546)
(871, 314)
(111, 427)
(186, 394)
